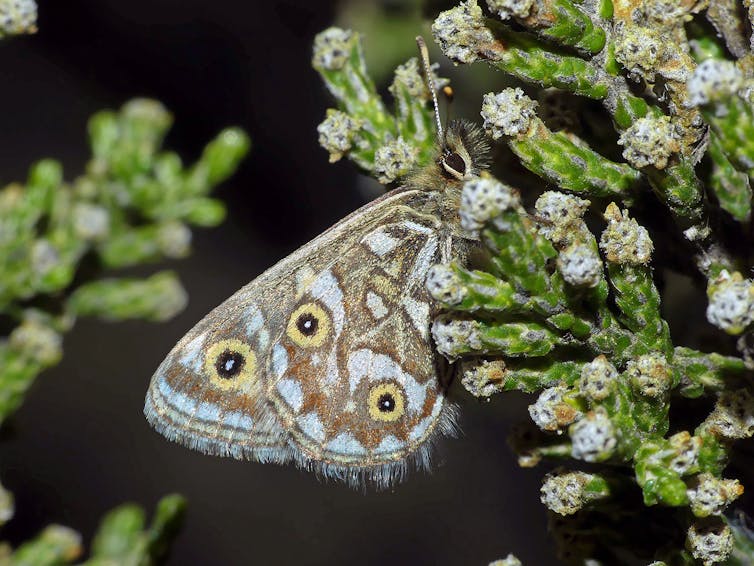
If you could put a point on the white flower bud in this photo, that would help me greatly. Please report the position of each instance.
(650, 374)
(460, 32)
(506, 9)
(482, 200)
(624, 241)
(598, 378)
(565, 493)
(731, 302)
(336, 133)
(507, 113)
(444, 285)
(454, 337)
(712, 80)
(580, 265)
(710, 541)
(90, 221)
(650, 141)
(733, 415)
(551, 413)
(593, 437)
(332, 48)
(710, 495)
(394, 160)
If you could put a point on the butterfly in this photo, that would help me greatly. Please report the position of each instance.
(326, 359)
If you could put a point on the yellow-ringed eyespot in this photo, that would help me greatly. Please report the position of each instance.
(230, 364)
(309, 325)
(386, 402)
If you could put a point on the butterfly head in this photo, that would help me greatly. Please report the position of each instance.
(465, 151)
(464, 148)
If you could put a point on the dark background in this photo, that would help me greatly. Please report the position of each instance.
(80, 446)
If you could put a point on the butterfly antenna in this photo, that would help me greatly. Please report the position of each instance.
(424, 54)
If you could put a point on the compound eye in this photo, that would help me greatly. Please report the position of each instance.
(386, 402)
(455, 165)
(229, 362)
(309, 325)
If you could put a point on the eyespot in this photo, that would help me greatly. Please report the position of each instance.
(309, 325)
(386, 402)
(454, 164)
(230, 363)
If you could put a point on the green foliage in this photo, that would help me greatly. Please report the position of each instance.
(567, 303)
(123, 538)
(385, 144)
(134, 204)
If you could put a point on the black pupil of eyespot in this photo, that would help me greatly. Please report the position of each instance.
(229, 364)
(307, 324)
(386, 403)
(456, 163)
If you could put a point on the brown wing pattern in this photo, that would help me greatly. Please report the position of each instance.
(326, 358)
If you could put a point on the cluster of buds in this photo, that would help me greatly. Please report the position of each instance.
(567, 305)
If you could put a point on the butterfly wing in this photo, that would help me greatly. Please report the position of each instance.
(326, 358)
(353, 374)
(209, 394)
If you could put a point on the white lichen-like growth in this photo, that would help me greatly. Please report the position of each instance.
(482, 200)
(650, 141)
(580, 265)
(454, 337)
(638, 49)
(394, 160)
(624, 241)
(483, 378)
(650, 375)
(697, 233)
(713, 79)
(17, 17)
(506, 9)
(711, 496)
(685, 452)
(336, 133)
(174, 239)
(332, 48)
(671, 12)
(444, 285)
(44, 257)
(561, 217)
(731, 302)
(460, 30)
(598, 379)
(565, 493)
(38, 341)
(733, 415)
(410, 86)
(90, 221)
(710, 542)
(551, 412)
(409, 76)
(593, 437)
(509, 560)
(507, 113)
